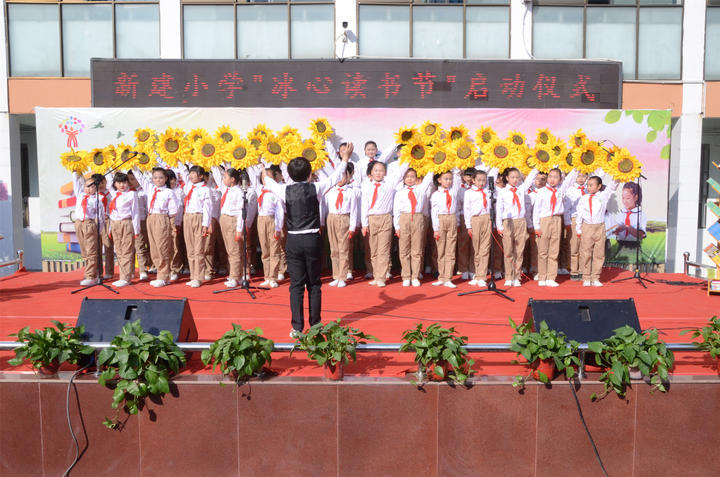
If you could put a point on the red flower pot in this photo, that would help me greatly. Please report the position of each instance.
(546, 366)
(334, 371)
(49, 370)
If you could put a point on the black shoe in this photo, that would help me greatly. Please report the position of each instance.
(575, 278)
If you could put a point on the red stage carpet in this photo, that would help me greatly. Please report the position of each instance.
(34, 298)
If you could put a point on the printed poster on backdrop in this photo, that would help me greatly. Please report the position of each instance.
(645, 133)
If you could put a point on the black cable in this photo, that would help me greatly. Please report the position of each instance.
(67, 414)
(582, 419)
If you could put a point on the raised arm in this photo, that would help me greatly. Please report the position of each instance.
(217, 174)
(275, 188)
(569, 180)
(387, 153)
(324, 185)
(529, 180)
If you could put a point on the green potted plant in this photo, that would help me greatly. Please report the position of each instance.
(331, 345)
(239, 353)
(138, 364)
(439, 352)
(710, 335)
(546, 352)
(48, 348)
(626, 350)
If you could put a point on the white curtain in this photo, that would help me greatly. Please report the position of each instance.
(34, 35)
(487, 33)
(312, 31)
(558, 32)
(611, 35)
(437, 32)
(660, 38)
(87, 33)
(208, 31)
(137, 31)
(384, 31)
(262, 31)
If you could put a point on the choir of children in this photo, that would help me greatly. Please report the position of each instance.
(191, 219)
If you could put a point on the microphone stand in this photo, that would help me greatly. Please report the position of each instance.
(244, 281)
(98, 243)
(491, 287)
(636, 275)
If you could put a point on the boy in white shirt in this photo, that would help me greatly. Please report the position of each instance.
(341, 205)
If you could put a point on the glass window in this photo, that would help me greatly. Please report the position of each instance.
(87, 33)
(557, 32)
(660, 37)
(34, 33)
(437, 32)
(611, 35)
(262, 31)
(137, 31)
(712, 44)
(487, 32)
(208, 31)
(312, 31)
(384, 31)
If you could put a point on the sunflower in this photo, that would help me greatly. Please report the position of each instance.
(146, 161)
(416, 154)
(241, 153)
(439, 159)
(589, 157)
(516, 138)
(320, 129)
(542, 158)
(109, 157)
(544, 136)
(562, 158)
(463, 153)
(485, 135)
(312, 149)
(524, 162)
(173, 147)
(258, 134)
(225, 134)
(273, 149)
(75, 161)
(614, 151)
(577, 139)
(124, 156)
(98, 159)
(431, 132)
(457, 132)
(624, 167)
(207, 152)
(499, 153)
(145, 139)
(406, 134)
(196, 134)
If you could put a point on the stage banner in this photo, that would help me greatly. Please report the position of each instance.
(645, 133)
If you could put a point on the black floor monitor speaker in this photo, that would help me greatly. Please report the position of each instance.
(583, 320)
(104, 319)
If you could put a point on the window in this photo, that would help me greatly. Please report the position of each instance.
(437, 32)
(646, 35)
(59, 39)
(712, 44)
(384, 31)
(208, 31)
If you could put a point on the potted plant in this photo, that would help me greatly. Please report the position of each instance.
(546, 351)
(710, 335)
(139, 365)
(239, 353)
(439, 352)
(628, 349)
(48, 348)
(331, 345)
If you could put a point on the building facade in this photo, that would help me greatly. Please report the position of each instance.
(670, 51)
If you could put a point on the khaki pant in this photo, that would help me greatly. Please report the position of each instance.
(592, 250)
(548, 245)
(282, 269)
(513, 239)
(228, 227)
(431, 253)
(160, 237)
(179, 259)
(221, 258)
(530, 259)
(122, 233)
(482, 232)
(465, 262)
(86, 231)
(380, 233)
(498, 263)
(142, 250)
(338, 226)
(210, 246)
(195, 243)
(447, 229)
(411, 245)
(570, 249)
(269, 247)
(109, 262)
(367, 253)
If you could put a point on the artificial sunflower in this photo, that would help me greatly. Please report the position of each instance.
(99, 159)
(577, 139)
(624, 167)
(289, 133)
(431, 132)
(524, 162)
(312, 150)
(74, 161)
(561, 156)
(485, 135)
(241, 153)
(145, 139)
(499, 153)
(196, 134)
(207, 152)
(124, 154)
(320, 129)
(516, 138)
(542, 158)
(589, 157)
(416, 154)
(258, 134)
(273, 149)
(173, 146)
(457, 132)
(544, 136)
(109, 156)
(146, 161)
(406, 134)
(225, 134)
(439, 159)
(463, 153)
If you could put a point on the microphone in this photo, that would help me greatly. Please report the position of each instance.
(131, 155)
(244, 184)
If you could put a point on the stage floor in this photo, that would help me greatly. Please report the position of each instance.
(35, 298)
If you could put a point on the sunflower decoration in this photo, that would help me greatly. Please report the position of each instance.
(544, 136)
(430, 132)
(320, 129)
(517, 139)
(258, 134)
(273, 149)
(439, 158)
(225, 134)
(145, 139)
(207, 152)
(589, 157)
(75, 161)
(313, 150)
(561, 157)
(457, 132)
(623, 167)
(98, 160)
(108, 158)
(290, 134)
(578, 139)
(241, 153)
(463, 153)
(416, 153)
(485, 135)
(124, 156)
(173, 146)
(406, 134)
(614, 150)
(500, 153)
(524, 162)
(542, 158)
(196, 134)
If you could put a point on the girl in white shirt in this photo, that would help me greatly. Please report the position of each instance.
(476, 213)
(445, 216)
(409, 223)
(124, 226)
(89, 213)
(341, 204)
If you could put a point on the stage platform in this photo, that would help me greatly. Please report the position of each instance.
(34, 298)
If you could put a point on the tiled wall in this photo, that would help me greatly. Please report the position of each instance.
(363, 427)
